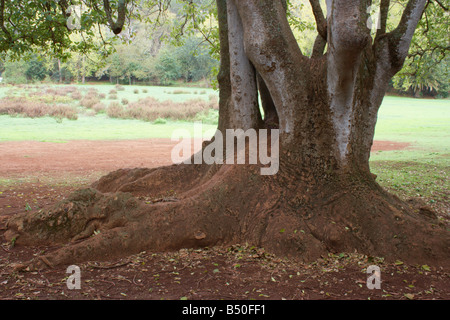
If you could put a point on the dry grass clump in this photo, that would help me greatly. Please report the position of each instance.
(120, 87)
(99, 107)
(115, 110)
(54, 95)
(150, 109)
(91, 98)
(21, 106)
(76, 95)
(49, 98)
(61, 111)
(178, 91)
(89, 101)
(57, 91)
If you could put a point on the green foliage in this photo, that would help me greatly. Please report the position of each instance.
(36, 70)
(23, 71)
(14, 72)
(167, 68)
(426, 70)
(43, 25)
(189, 62)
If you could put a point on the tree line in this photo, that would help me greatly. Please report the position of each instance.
(148, 53)
(134, 63)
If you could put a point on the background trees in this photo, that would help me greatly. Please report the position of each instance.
(152, 53)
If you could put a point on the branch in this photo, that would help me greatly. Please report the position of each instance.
(242, 74)
(321, 22)
(117, 26)
(319, 47)
(347, 31)
(2, 20)
(400, 38)
(348, 36)
(441, 5)
(384, 11)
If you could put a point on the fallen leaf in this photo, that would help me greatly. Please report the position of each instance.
(426, 268)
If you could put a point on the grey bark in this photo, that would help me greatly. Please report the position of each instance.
(322, 104)
(244, 102)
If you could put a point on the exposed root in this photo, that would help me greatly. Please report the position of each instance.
(291, 217)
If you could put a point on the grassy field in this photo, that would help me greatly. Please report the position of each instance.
(102, 124)
(421, 170)
(99, 127)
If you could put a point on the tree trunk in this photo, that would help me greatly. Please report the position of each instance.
(59, 70)
(323, 198)
(83, 70)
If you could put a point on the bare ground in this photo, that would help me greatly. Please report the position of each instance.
(37, 174)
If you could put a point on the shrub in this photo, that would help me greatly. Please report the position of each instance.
(135, 91)
(125, 101)
(89, 102)
(91, 113)
(180, 92)
(63, 111)
(15, 106)
(160, 121)
(76, 95)
(93, 90)
(112, 91)
(120, 87)
(112, 97)
(99, 107)
(49, 98)
(150, 109)
(213, 102)
(115, 110)
(92, 94)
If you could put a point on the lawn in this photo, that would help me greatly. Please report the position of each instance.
(422, 169)
(99, 127)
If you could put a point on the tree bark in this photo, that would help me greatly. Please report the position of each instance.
(244, 94)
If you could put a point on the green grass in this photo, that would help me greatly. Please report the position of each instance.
(421, 170)
(423, 123)
(99, 127)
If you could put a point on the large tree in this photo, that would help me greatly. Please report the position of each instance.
(323, 198)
